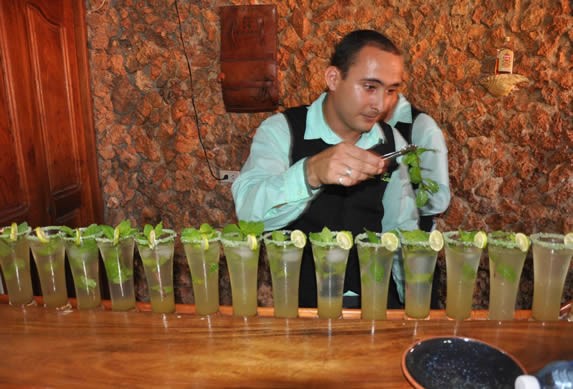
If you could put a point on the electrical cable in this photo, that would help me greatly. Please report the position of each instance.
(193, 94)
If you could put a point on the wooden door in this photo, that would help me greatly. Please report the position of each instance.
(48, 169)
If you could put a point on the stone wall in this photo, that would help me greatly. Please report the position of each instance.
(510, 157)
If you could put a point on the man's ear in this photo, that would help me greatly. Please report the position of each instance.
(332, 76)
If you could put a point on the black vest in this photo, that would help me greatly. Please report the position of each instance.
(336, 207)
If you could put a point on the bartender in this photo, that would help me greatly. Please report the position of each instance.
(319, 165)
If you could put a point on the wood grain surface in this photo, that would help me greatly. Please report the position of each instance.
(95, 349)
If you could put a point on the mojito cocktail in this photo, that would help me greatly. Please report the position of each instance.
(49, 254)
(285, 257)
(463, 253)
(507, 252)
(83, 256)
(551, 260)
(118, 262)
(203, 252)
(157, 258)
(375, 256)
(15, 262)
(330, 259)
(420, 252)
(243, 263)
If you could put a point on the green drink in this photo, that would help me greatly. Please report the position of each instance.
(48, 251)
(242, 261)
(118, 262)
(156, 250)
(330, 252)
(463, 253)
(420, 252)
(83, 256)
(285, 257)
(551, 260)
(375, 255)
(203, 252)
(507, 252)
(15, 262)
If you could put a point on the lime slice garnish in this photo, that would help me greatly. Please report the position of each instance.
(152, 240)
(78, 237)
(568, 239)
(522, 241)
(205, 243)
(298, 238)
(389, 241)
(480, 240)
(14, 232)
(41, 235)
(115, 236)
(344, 240)
(436, 240)
(253, 242)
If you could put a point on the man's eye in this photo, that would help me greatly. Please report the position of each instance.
(370, 87)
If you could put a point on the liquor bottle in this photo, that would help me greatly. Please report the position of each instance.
(504, 60)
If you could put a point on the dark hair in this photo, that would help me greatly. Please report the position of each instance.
(348, 48)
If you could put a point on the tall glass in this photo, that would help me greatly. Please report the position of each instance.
(330, 263)
(419, 264)
(15, 261)
(462, 261)
(83, 256)
(203, 264)
(284, 262)
(157, 262)
(49, 254)
(118, 262)
(551, 260)
(243, 263)
(375, 269)
(506, 261)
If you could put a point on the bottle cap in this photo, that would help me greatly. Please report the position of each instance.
(527, 382)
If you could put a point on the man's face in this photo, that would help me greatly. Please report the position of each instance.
(363, 97)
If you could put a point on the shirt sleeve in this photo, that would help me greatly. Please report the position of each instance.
(427, 134)
(268, 189)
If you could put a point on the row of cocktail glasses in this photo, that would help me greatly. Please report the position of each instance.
(376, 252)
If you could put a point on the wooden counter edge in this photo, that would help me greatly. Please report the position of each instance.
(392, 314)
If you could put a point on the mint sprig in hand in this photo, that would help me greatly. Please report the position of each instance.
(426, 186)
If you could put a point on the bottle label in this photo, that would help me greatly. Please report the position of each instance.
(505, 61)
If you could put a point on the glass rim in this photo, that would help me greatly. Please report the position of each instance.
(282, 243)
(210, 240)
(168, 235)
(449, 239)
(6, 235)
(104, 239)
(537, 239)
(358, 240)
(85, 237)
(502, 241)
(237, 243)
(326, 244)
(31, 236)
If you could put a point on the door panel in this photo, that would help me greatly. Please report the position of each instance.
(46, 93)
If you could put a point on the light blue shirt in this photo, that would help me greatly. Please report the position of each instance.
(270, 190)
(427, 134)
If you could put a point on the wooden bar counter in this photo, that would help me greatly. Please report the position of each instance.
(101, 348)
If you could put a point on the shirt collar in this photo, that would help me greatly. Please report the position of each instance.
(402, 112)
(317, 128)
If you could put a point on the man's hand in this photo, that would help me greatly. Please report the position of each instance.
(343, 164)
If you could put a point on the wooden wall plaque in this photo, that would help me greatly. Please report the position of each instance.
(249, 58)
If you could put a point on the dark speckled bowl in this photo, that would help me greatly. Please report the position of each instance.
(456, 362)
